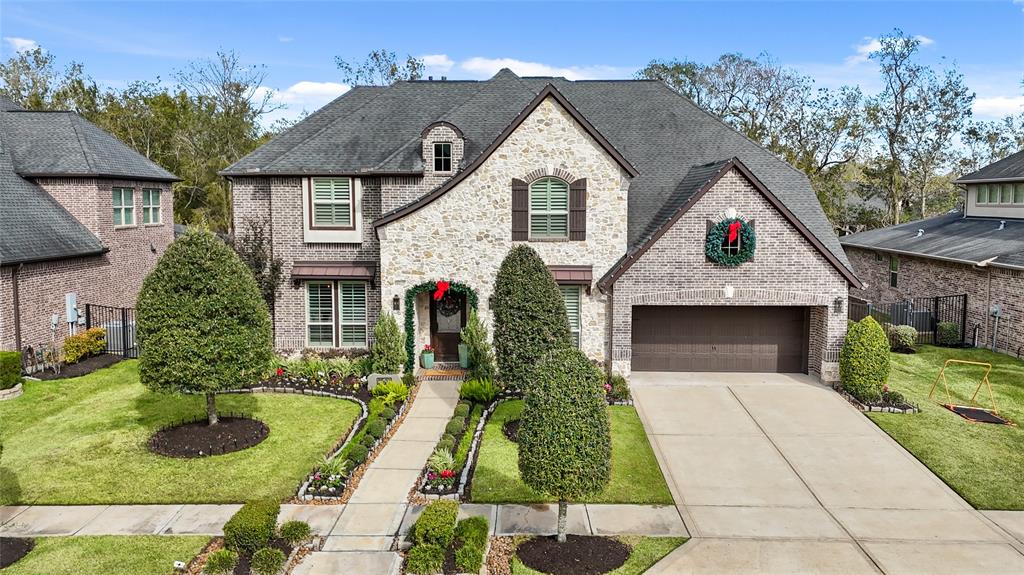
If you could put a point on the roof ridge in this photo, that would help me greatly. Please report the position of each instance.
(81, 140)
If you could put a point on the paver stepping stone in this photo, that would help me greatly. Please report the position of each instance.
(363, 563)
(370, 519)
(898, 558)
(357, 543)
(131, 520)
(385, 485)
(635, 520)
(321, 518)
(201, 520)
(427, 429)
(540, 520)
(433, 407)
(917, 524)
(402, 454)
(51, 520)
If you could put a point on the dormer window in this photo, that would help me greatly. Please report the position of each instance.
(442, 156)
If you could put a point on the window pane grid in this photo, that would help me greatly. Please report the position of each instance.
(352, 300)
(549, 208)
(1018, 194)
(332, 202)
(124, 206)
(571, 297)
(150, 206)
(442, 157)
(320, 314)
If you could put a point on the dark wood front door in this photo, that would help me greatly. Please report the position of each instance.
(447, 318)
(720, 338)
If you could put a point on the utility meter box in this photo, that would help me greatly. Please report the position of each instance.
(71, 307)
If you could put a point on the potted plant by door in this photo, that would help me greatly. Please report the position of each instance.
(463, 356)
(427, 357)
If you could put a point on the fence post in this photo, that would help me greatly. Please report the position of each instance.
(935, 320)
(88, 316)
(124, 333)
(963, 321)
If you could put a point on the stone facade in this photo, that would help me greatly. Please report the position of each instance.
(786, 270)
(924, 277)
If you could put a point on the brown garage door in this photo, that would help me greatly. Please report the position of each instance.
(722, 338)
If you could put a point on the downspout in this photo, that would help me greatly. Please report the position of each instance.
(17, 307)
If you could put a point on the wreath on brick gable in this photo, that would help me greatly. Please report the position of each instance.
(730, 242)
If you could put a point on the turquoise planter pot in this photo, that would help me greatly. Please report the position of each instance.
(463, 356)
(427, 360)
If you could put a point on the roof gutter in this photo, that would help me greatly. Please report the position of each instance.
(983, 263)
(54, 258)
(99, 176)
(989, 180)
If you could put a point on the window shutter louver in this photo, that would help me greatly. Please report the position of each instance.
(520, 210)
(578, 210)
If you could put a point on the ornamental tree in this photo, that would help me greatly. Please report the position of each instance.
(529, 316)
(202, 323)
(864, 360)
(388, 345)
(565, 443)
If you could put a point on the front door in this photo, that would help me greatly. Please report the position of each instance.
(447, 318)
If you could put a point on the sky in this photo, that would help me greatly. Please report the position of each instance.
(297, 42)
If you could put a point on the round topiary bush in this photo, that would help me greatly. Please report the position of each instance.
(375, 427)
(948, 333)
(529, 316)
(387, 413)
(565, 437)
(267, 561)
(357, 454)
(455, 427)
(368, 440)
(295, 532)
(202, 323)
(864, 361)
(462, 410)
(902, 338)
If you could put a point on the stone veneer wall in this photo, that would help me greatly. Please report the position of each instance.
(464, 235)
(923, 277)
(786, 270)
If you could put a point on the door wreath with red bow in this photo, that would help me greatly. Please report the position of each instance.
(730, 242)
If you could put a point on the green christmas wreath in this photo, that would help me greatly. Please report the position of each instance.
(715, 247)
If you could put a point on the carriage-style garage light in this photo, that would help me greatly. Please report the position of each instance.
(837, 305)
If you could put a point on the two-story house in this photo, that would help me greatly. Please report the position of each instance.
(979, 251)
(616, 184)
(81, 215)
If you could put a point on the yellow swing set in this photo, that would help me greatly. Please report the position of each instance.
(974, 412)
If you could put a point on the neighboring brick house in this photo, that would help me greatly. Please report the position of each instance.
(614, 183)
(82, 214)
(979, 252)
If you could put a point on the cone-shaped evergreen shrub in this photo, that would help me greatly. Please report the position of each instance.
(388, 345)
(202, 323)
(565, 444)
(864, 360)
(529, 316)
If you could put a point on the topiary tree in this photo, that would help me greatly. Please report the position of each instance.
(481, 355)
(529, 315)
(565, 444)
(202, 324)
(388, 345)
(864, 360)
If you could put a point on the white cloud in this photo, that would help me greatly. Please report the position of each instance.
(437, 63)
(285, 39)
(21, 44)
(302, 97)
(862, 51)
(998, 106)
(486, 67)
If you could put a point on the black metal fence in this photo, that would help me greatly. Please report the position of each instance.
(924, 314)
(120, 325)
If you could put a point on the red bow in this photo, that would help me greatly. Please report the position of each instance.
(442, 286)
(734, 230)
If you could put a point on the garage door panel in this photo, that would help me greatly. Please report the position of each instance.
(719, 338)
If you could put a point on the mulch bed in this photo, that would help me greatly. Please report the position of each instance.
(84, 367)
(511, 429)
(334, 385)
(579, 555)
(199, 439)
(14, 548)
(244, 559)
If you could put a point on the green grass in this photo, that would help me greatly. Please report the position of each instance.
(636, 477)
(984, 463)
(83, 440)
(462, 450)
(107, 555)
(646, 551)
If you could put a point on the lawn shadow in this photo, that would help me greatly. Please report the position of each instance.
(156, 410)
(10, 487)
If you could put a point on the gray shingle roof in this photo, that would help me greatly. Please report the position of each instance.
(658, 131)
(950, 237)
(1009, 168)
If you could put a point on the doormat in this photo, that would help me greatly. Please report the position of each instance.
(976, 414)
(446, 373)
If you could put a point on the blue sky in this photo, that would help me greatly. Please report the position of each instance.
(297, 42)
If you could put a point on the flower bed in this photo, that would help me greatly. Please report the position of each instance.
(890, 402)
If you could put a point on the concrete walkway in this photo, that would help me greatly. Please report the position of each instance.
(777, 474)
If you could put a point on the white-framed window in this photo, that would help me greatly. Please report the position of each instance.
(352, 316)
(151, 206)
(1007, 197)
(442, 156)
(572, 296)
(549, 209)
(982, 194)
(894, 270)
(331, 204)
(320, 314)
(1018, 194)
(336, 321)
(124, 206)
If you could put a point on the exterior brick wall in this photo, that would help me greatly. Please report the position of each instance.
(786, 270)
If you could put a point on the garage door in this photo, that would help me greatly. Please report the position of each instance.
(722, 338)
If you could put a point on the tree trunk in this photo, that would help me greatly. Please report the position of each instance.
(211, 408)
(563, 508)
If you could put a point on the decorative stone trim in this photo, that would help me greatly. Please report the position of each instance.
(547, 171)
(10, 393)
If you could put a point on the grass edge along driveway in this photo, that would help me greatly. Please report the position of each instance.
(982, 462)
(636, 477)
(83, 441)
(108, 555)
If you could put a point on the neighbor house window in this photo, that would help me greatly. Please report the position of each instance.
(894, 270)
(443, 157)
(352, 303)
(1007, 194)
(124, 207)
(982, 194)
(571, 296)
(1018, 194)
(549, 208)
(331, 201)
(150, 206)
(320, 314)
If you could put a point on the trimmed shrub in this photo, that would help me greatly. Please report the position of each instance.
(619, 388)
(252, 526)
(864, 361)
(456, 426)
(390, 392)
(202, 323)
(446, 444)
(368, 440)
(220, 562)
(90, 342)
(388, 413)
(565, 437)
(948, 333)
(469, 559)
(472, 531)
(529, 316)
(295, 532)
(388, 345)
(481, 355)
(462, 410)
(481, 391)
(10, 369)
(375, 427)
(425, 560)
(902, 337)
(436, 525)
(357, 454)
(267, 561)
(409, 380)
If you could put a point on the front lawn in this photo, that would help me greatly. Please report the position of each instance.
(636, 477)
(83, 440)
(107, 555)
(984, 463)
(644, 553)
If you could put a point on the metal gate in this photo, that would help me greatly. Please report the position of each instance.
(119, 322)
(924, 314)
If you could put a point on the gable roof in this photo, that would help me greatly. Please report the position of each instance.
(1009, 168)
(659, 132)
(697, 182)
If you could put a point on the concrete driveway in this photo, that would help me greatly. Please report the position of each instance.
(778, 474)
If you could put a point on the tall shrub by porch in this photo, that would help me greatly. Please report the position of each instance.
(388, 345)
(864, 360)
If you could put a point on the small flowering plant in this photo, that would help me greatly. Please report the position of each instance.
(440, 473)
(427, 348)
(330, 476)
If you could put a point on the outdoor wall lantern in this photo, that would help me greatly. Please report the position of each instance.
(396, 303)
(837, 305)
